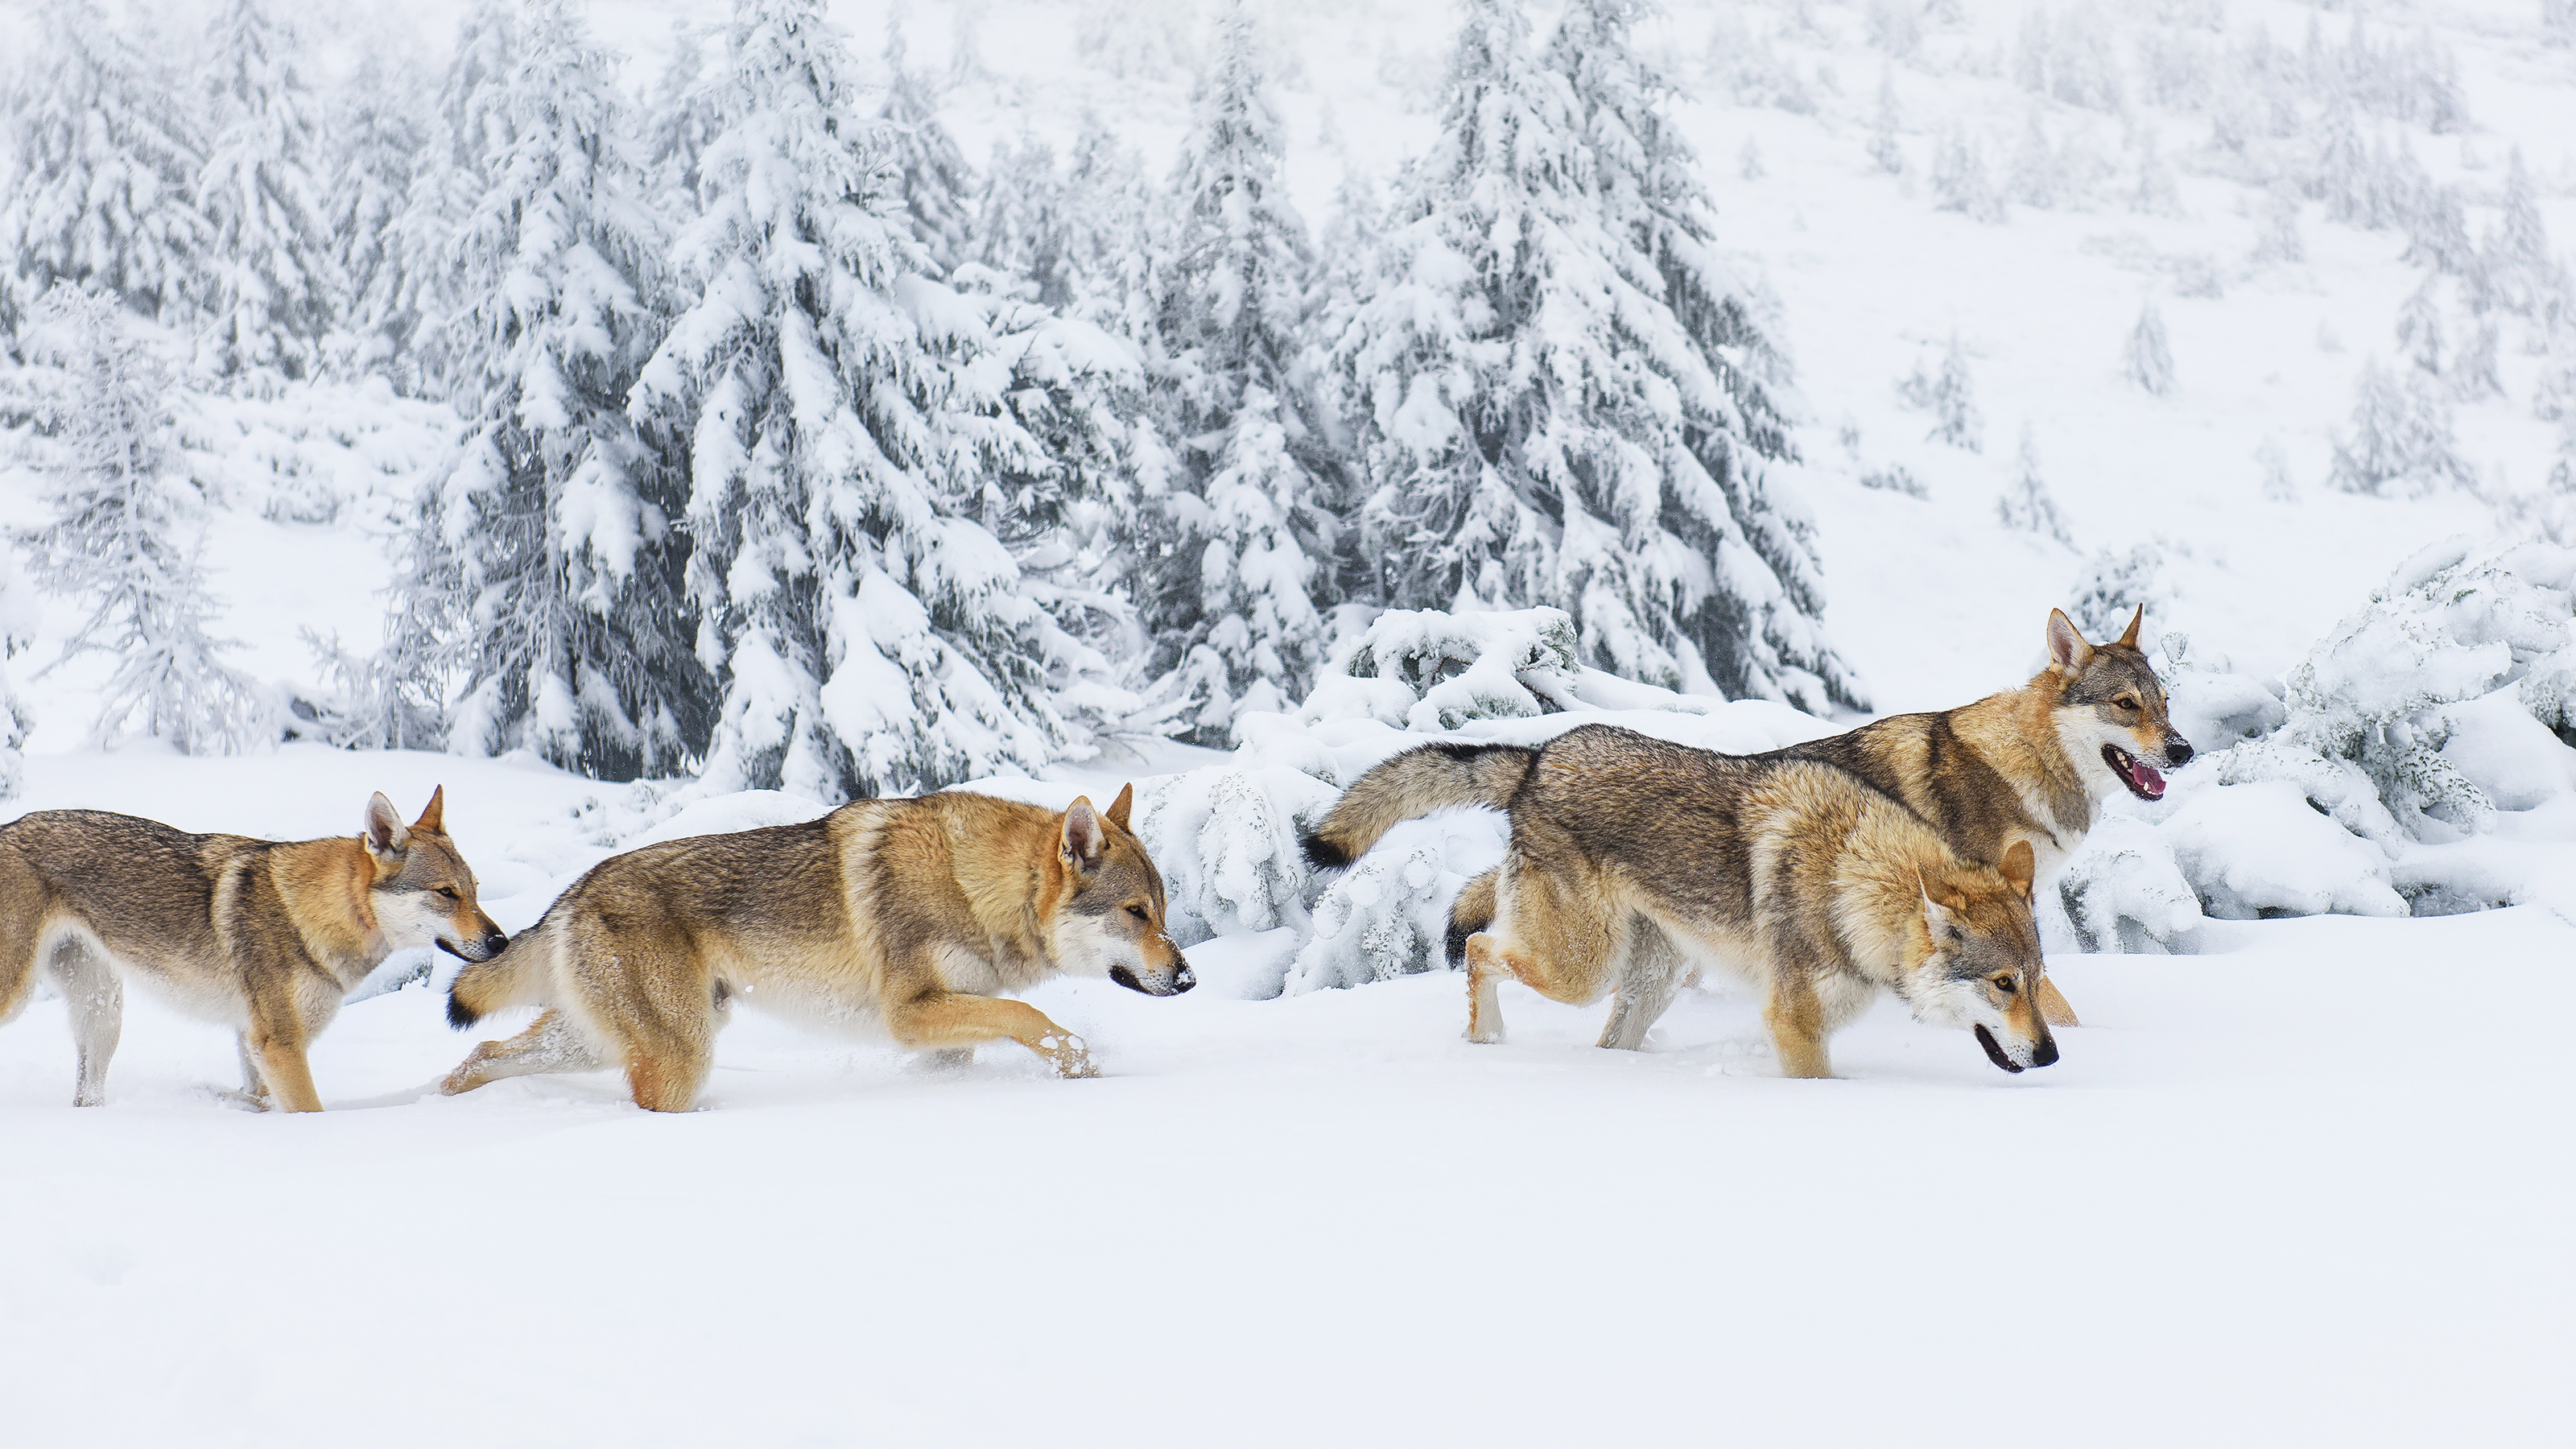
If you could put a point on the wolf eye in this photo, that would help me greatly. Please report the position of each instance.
(1140, 913)
(2004, 984)
(450, 893)
(2127, 701)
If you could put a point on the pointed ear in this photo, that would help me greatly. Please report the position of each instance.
(1083, 839)
(1119, 807)
(1935, 914)
(2067, 651)
(433, 816)
(385, 833)
(2130, 639)
(2020, 864)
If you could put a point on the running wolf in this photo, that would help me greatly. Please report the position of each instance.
(911, 913)
(1634, 861)
(2029, 766)
(262, 936)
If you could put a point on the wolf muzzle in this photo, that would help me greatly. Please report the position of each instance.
(1181, 979)
(482, 950)
(2042, 1055)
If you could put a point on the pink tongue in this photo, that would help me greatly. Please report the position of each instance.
(2147, 776)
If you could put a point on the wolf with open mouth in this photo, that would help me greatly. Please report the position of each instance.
(2028, 766)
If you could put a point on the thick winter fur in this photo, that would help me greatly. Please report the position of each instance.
(264, 937)
(2029, 766)
(1634, 862)
(916, 914)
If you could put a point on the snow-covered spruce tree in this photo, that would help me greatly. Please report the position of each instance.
(871, 638)
(677, 125)
(125, 531)
(267, 285)
(104, 151)
(1959, 179)
(2147, 363)
(1559, 388)
(576, 632)
(1952, 397)
(469, 126)
(1231, 604)
(2401, 436)
(380, 132)
(2419, 330)
(938, 185)
(1885, 151)
(2514, 268)
(2027, 506)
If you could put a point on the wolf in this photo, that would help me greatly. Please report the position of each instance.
(263, 936)
(913, 914)
(2030, 766)
(1634, 862)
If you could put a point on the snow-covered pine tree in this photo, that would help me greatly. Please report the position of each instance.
(1231, 603)
(677, 126)
(104, 153)
(2027, 506)
(938, 184)
(1885, 151)
(267, 285)
(1952, 397)
(2514, 266)
(576, 630)
(1560, 386)
(125, 533)
(469, 126)
(1959, 179)
(2419, 329)
(380, 132)
(2147, 363)
(871, 638)
(2401, 434)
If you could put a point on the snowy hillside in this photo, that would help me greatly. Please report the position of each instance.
(647, 419)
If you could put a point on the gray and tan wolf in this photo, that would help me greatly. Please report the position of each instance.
(914, 914)
(265, 937)
(2030, 766)
(1634, 862)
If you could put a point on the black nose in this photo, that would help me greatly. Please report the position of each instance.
(496, 941)
(1184, 978)
(2177, 750)
(2046, 1054)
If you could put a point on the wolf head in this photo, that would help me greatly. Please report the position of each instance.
(423, 892)
(2110, 711)
(1975, 960)
(1110, 921)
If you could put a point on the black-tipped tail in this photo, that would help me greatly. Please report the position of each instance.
(460, 1015)
(1323, 854)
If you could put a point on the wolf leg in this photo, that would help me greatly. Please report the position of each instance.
(254, 1085)
(2053, 1007)
(550, 1044)
(97, 1002)
(1798, 1027)
(280, 1052)
(950, 1019)
(1653, 973)
(1583, 933)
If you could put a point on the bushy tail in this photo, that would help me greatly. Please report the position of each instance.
(512, 978)
(1473, 911)
(1413, 784)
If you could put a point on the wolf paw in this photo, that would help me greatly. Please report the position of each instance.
(1068, 1054)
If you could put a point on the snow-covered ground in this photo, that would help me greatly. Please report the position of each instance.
(2306, 1188)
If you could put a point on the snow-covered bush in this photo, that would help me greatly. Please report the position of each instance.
(1226, 840)
(2111, 586)
(1429, 671)
(1386, 916)
(2368, 709)
(2448, 698)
